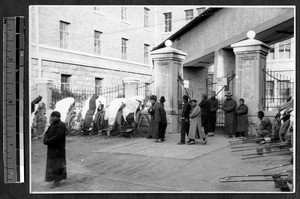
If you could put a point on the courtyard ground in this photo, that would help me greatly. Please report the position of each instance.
(102, 164)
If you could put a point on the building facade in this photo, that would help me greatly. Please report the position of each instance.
(97, 47)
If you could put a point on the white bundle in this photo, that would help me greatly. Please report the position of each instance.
(63, 106)
(112, 110)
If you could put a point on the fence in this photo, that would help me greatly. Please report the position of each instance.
(81, 96)
(278, 88)
(145, 88)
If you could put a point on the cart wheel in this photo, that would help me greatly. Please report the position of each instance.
(71, 124)
(143, 124)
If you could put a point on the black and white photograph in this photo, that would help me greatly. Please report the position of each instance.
(161, 99)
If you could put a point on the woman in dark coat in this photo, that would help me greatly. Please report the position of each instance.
(55, 139)
(242, 119)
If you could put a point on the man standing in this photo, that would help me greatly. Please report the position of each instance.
(185, 124)
(55, 139)
(229, 108)
(163, 123)
(214, 106)
(205, 113)
(156, 111)
(265, 127)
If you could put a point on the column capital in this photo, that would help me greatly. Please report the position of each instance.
(250, 46)
(130, 80)
(168, 53)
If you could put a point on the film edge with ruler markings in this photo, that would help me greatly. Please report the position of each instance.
(13, 98)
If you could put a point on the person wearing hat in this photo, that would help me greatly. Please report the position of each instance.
(229, 107)
(163, 123)
(156, 111)
(196, 130)
(185, 123)
(55, 139)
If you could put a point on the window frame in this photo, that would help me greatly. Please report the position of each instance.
(97, 42)
(65, 85)
(189, 17)
(146, 17)
(168, 22)
(124, 47)
(64, 35)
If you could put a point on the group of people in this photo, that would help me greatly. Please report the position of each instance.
(198, 121)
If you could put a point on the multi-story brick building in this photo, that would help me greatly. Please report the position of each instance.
(92, 47)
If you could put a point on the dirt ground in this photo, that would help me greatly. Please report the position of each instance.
(102, 164)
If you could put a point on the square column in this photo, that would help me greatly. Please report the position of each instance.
(250, 77)
(130, 85)
(168, 64)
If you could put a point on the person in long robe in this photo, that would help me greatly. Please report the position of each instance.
(163, 123)
(155, 111)
(214, 106)
(205, 113)
(185, 123)
(229, 107)
(55, 139)
(242, 119)
(196, 131)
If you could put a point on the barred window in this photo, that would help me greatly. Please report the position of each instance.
(65, 82)
(64, 33)
(168, 22)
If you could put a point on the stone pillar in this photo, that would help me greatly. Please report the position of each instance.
(43, 89)
(130, 85)
(250, 77)
(224, 65)
(168, 64)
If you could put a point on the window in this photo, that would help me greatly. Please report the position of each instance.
(146, 53)
(200, 10)
(97, 42)
(65, 82)
(270, 89)
(285, 89)
(146, 17)
(98, 85)
(64, 32)
(285, 50)
(189, 15)
(97, 8)
(124, 48)
(124, 13)
(168, 22)
(271, 55)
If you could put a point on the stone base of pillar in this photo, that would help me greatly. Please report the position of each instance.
(172, 124)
